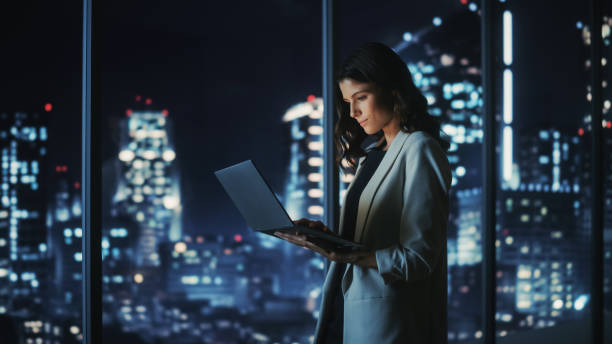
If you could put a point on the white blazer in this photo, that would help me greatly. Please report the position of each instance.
(402, 216)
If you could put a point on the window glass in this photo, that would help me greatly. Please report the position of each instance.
(189, 89)
(440, 43)
(543, 205)
(40, 167)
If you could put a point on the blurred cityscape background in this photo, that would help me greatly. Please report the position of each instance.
(193, 87)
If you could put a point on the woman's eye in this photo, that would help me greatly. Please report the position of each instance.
(362, 98)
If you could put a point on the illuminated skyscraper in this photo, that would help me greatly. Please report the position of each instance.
(23, 246)
(304, 187)
(149, 186)
(303, 197)
(544, 250)
(64, 235)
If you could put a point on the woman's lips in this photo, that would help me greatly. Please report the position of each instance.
(361, 123)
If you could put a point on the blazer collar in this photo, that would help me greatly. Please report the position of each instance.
(365, 201)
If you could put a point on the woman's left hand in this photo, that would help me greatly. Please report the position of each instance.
(366, 259)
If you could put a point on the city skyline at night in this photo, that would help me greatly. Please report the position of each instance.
(197, 94)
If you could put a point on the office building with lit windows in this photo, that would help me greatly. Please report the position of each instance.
(64, 239)
(207, 268)
(543, 245)
(303, 196)
(148, 189)
(304, 186)
(23, 245)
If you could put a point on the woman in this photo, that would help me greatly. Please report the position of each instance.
(397, 206)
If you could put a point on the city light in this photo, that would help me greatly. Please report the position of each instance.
(508, 96)
(315, 193)
(297, 111)
(507, 153)
(180, 247)
(507, 20)
(315, 210)
(170, 202)
(581, 302)
(315, 161)
(315, 130)
(168, 155)
(138, 278)
(126, 155)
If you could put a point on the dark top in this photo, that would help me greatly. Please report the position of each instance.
(333, 331)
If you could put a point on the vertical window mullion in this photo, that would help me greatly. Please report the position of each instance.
(488, 33)
(91, 179)
(330, 169)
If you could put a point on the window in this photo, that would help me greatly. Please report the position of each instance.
(440, 43)
(543, 214)
(40, 185)
(188, 90)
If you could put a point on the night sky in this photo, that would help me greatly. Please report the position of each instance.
(227, 72)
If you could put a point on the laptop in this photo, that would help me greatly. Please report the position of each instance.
(263, 211)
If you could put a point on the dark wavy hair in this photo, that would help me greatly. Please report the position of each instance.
(381, 67)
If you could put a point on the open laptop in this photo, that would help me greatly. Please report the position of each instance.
(264, 213)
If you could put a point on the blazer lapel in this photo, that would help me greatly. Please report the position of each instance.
(365, 201)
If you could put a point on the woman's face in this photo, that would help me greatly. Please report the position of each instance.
(364, 107)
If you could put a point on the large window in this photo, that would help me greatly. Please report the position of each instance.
(187, 90)
(40, 172)
(543, 196)
(440, 43)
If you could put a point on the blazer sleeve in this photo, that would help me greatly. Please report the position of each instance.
(424, 216)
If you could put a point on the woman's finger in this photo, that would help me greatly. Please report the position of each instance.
(294, 239)
(302, 221)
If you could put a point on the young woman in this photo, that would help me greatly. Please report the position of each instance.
(397, 206)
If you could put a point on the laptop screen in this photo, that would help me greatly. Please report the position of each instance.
(253, 197)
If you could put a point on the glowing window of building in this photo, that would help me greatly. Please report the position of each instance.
(315, 210)
(315, 145)
(315, 177)
(315, 193)
(315, 161)
(315, 130)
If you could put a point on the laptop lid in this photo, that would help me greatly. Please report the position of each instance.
(253, 197)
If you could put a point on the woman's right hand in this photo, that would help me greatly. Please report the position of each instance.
(299, 239)
(312, 224)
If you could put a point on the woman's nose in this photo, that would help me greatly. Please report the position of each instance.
(353, 112)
